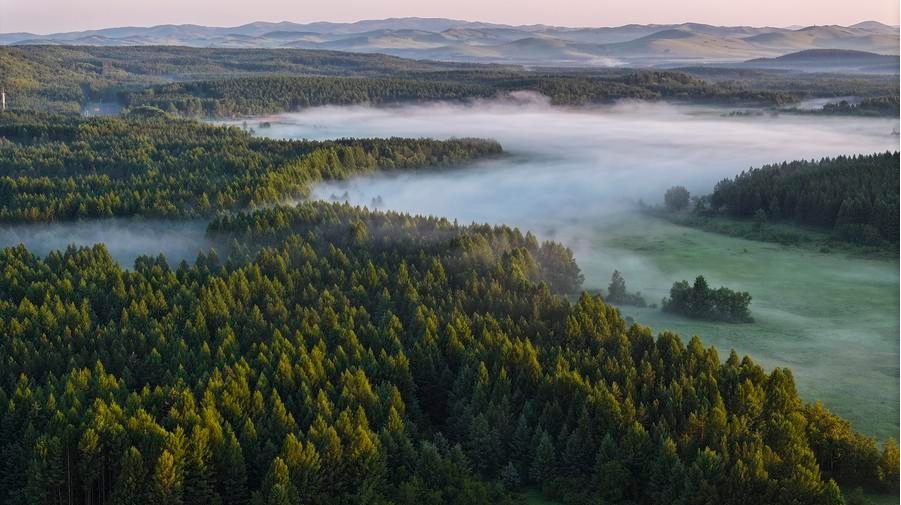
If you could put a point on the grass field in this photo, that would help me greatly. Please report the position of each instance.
(831, 318)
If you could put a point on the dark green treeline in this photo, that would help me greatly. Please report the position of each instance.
(57, 167)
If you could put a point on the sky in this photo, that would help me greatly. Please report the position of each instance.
(48, 16)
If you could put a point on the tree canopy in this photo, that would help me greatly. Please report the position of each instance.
(700, 301)
(618, 294)
(59, 167)
(345, 356)
(676, 198)
(856, 197)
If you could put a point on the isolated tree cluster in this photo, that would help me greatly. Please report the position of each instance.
(700, 301)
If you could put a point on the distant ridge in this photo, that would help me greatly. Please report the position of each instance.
(830, 60)
(827, 53)
(471, 41)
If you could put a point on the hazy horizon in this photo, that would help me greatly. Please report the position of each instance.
(55, 16)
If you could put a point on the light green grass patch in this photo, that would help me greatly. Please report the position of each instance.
(831, 318)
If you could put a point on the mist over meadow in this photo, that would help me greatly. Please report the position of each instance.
(577, 176)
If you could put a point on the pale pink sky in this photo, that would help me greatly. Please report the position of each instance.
(45, 16)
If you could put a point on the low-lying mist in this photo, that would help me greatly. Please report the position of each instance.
(576, 176)
(125, 239)
(576, 164)
(571, 172)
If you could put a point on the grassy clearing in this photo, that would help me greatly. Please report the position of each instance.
(830, 317)
(779, 233)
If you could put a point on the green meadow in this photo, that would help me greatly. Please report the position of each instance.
(830, 317)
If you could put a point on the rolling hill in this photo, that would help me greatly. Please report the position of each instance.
(682, 44)
(830, 60)
(453, 40)
(830, 37)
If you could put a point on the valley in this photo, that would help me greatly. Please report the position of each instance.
(424, 261)
(580, 184)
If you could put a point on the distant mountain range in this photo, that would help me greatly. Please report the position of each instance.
(466, 41)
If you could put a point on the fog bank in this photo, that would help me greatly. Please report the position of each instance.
(576, 164)
(125, 238)
(569, 173)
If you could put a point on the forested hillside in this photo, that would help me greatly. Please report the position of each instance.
(227, 82)
(345, 356)
(64, 78)
(266, 95)
(56, 167)
(856, 197)
(271, 94)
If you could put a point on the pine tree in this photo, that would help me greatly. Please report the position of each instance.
(832, 495)
(610, 476)
(198, 472)
(129, 487)
(616, 291)
(521, 449)
(889, 465)
(510, 477)
(667, 474)
(167, 481)
(542, 468)
(232, 476)
(303, 464)
(277, 487)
